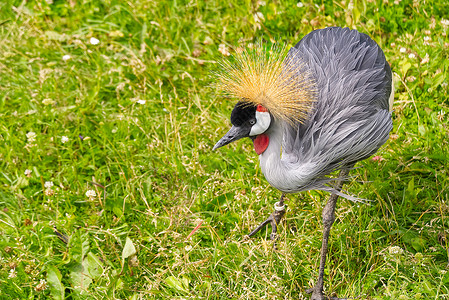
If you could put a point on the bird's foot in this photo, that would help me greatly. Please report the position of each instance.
(317, 294)
(273, 219)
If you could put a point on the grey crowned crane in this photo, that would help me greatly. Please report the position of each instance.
(321, 109)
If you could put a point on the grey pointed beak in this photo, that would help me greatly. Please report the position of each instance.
(235, 133)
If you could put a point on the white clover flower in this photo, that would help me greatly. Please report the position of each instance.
(94, 41)
(258, 17)
(411, 78)
(427, 40)
(64, 139)
(140, 101)
(28, 173)
(31, 136)
(300, 4)
(440, 115)
(41, 286)
(48, 101)
(261, 3)
(12, 273)
(444, 22)
(48, 184)
(412, 56)
(223, 50)
(120, 86)
(426, 59)
(66, 57)
(395, 250)
(49, 192)
(402, 50)
(91, 194)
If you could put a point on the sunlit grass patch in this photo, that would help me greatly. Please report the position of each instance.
(110, 189)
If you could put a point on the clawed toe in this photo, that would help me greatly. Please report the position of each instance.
(318, 295)
(274, 219)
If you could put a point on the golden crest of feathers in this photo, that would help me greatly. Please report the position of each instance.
(268, 76)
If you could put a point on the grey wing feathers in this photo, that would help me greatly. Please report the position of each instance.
(350, 120)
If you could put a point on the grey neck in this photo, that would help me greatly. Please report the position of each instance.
(281, 169)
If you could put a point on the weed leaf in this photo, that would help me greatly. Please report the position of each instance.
(54, 281)
(128, 250)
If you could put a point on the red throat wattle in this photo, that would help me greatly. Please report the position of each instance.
(261, 143)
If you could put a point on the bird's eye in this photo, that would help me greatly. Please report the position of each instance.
(252, 121)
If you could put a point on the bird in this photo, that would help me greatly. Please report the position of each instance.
(312, 110)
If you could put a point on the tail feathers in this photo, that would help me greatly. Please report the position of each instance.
(326, 186)
(346, 196)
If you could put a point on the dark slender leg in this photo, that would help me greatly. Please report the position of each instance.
(274, 219)
(328, 220)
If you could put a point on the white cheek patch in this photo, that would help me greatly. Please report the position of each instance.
(263, 120)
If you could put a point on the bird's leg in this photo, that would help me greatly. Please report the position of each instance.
(274, 219)
(328, 220)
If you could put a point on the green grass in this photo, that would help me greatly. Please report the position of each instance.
(156, 177)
